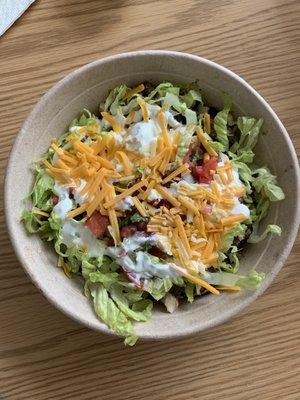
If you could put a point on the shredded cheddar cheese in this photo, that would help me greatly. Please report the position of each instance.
(111, 120)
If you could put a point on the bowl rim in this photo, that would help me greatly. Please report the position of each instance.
(40, 104)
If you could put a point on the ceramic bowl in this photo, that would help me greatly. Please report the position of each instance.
(86, 87)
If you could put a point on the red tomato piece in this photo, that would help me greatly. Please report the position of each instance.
(202, 173)
(97, 224)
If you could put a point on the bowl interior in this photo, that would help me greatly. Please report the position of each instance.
(88, 86)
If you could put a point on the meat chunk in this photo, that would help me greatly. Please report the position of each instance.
(142, 226)
(155, 251)
(97, 224)
(127, 231)
(54, 199)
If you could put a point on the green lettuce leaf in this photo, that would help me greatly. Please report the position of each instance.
(162, 89)
(274, 229)
(87, 267)
(138, 311)
(191, 97)
(252, 281)
(110, 314)
(172, 100)
(184, 144)
(244, 156)
(238, 231)
(189, 290)
(249, 128)
(262, 208)
(85, 118)
(265, 183)
(158, 287)
(190, 116)
(114, 98)
(245, 174)
(114, 107)
(220, 122)
(217, 146)
(47, 228)
(105, 278)
(32, 221)
(42, 190)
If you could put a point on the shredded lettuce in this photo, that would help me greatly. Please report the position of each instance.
(192, 97)
(111, 315)
(253, 280)
(114, 98)
(238, 231)
(42, 190)
(245, 174)
(189, 292)
(265, 183)
(274, 229)
(86, 118)
(221, 120)
(249, 128)
(137, 311)
(158, 287)
(34, 223)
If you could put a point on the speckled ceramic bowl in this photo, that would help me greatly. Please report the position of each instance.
(86, 87)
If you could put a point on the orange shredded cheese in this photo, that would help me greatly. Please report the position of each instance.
(135, 90)
(167, 195)
(139, 207)
(207, 123)
(188, 204)
(163, 125)
(180, 170)
(123, 158)
(196, 280)
(205, 143)
(232, 219)
(126, 193)
(112, 121)
(144, 109)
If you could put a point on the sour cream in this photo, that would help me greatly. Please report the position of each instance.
(64, 204)
(73, 233)
(142, 137)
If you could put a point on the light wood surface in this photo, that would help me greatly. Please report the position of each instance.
(43, 354)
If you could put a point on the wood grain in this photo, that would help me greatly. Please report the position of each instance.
(43, 354)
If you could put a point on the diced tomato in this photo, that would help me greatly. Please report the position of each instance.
(194, 147)
(97, 224)
(127, 231)
(155, 251)
(54, 199)
(202, 173)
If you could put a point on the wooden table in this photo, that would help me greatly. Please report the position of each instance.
(43, 354)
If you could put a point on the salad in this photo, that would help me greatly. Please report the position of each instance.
(153, 200)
